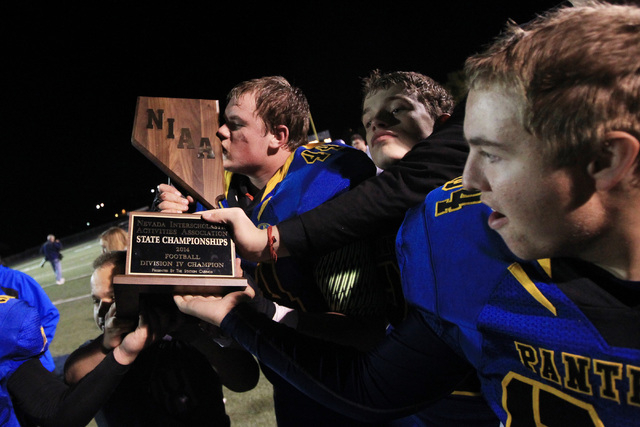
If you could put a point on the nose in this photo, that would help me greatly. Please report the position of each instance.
(377, 123)
(380, 120)
(472, 176)
(223, 132)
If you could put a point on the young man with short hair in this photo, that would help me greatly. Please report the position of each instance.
(358, 142)
(170, 383)
(272, 174)
(530, 274)
(399, 110)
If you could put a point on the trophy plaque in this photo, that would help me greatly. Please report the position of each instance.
(179, 136)
(178, 253)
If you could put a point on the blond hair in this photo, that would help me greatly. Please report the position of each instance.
(277, 103)
(577, 70)
(114, 239)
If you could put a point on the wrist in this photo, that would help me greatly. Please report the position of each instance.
(104, 347)
(278, 245)
(122, 356)
(273, 241)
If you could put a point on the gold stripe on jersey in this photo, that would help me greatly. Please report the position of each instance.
(44, 339)
(545, 263)
(518, 272)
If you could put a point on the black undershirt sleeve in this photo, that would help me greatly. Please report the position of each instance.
(42, 398)
(409, 369)
(378, 205)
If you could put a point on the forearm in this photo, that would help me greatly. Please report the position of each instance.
(393, 380)
(45, 400)
(83, 360)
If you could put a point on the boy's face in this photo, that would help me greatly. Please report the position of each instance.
(102, 293)
(244, 137)
(394, 123)
(359, 144)
(539, 210)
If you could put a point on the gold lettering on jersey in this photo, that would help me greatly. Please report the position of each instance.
(582, 374)
(456, 201)
(633, 374)
(609, 374)
(453, 184)
(576, 373)
(318, 153)
(548, 368)
(528, 356)
(526, 400)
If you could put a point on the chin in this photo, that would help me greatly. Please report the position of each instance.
(522, 248)
(529, 253)
(384, 162)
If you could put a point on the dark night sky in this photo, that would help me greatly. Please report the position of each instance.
(75, 75)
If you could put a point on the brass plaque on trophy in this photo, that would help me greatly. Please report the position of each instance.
(181, 245)
(175, 254)
(179, 136)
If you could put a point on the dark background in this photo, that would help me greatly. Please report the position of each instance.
(74, 75)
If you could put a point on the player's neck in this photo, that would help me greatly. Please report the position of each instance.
(272, 164)
(622, 259)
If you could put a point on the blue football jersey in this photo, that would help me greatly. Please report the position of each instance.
(21, 338)
(20, 285)
(540, 359)
(312, 175)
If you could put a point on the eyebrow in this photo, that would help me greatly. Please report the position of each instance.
(480, 142)
(400, 96)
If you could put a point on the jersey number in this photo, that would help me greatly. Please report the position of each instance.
(530, 403)
(457, 200)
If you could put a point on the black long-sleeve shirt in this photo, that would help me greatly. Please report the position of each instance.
(50, 402)
(399, 377)
(377, 206)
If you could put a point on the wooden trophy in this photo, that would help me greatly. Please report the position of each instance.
(178, 253)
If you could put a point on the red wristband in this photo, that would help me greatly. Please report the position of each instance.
(271, 240)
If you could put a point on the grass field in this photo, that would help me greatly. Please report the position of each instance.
(252, 408)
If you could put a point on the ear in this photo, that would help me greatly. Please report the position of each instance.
(280, 137)
(615, 161)
(443, 119)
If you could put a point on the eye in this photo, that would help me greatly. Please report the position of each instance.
(491, 158)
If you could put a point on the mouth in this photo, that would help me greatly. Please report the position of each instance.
(381, 136)
(497, 220)
(225, 153)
